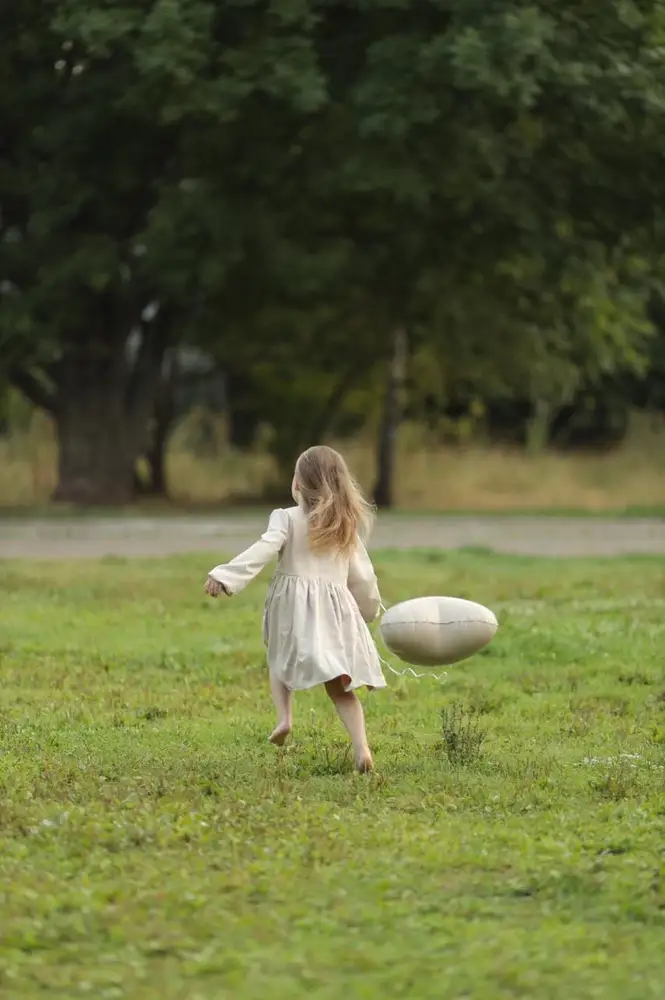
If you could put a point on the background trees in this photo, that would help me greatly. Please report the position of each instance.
(320, 195)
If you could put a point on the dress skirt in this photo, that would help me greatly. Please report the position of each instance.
(313, 632)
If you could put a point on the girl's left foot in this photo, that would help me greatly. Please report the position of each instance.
(364, 762)
(280, 735)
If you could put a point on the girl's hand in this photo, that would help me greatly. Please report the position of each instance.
(214, 589)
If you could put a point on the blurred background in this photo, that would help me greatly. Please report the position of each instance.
(429, 232)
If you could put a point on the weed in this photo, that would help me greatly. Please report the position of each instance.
(618, 783)
(462, 736)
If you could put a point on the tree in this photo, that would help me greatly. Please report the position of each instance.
(440, 190)
(493, 168)
(390, 420)
(158, 431)
(109, 230)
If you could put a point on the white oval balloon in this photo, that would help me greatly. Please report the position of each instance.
(435, 631)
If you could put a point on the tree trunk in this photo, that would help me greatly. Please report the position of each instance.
(97, 454)
(165, 409)
(242, 410)
(390, 421)
(101, 409)
(156, 457)
(538, 427)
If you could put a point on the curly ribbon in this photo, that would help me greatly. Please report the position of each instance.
(409, 670)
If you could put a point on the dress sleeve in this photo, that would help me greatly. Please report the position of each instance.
(363, 584)
(236, 574)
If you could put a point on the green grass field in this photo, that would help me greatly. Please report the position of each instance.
(153, 845)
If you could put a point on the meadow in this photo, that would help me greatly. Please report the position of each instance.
(154, 845)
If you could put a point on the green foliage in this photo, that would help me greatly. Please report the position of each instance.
(128, 106)
(154, 189)
(290, 181)
(462, 174)
(152, 843)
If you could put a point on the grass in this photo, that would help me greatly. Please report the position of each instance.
(153, 845)
(430, 477)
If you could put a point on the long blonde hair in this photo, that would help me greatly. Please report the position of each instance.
(336, 509)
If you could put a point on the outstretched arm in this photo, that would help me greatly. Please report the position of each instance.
(236, 574)
(363, 584)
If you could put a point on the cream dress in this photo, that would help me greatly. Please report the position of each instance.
(314, 623)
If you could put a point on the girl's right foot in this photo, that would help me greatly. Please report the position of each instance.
(279, 735)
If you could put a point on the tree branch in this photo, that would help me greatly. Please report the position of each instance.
(146, 372)
(32, 388)
(351, 377)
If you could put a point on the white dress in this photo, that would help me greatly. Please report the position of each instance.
(314, 623)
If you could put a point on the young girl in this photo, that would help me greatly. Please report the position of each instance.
(322, 595)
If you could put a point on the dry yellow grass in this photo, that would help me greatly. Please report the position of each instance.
(493, 478)
(428, 477)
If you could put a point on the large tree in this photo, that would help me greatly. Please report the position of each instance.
(117, 117)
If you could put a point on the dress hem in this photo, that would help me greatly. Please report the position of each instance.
(353, 686)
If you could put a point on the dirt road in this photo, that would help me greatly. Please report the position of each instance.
(81, 538)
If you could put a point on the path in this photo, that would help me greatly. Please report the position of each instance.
(87, 537)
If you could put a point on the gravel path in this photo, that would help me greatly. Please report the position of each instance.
(157, 536)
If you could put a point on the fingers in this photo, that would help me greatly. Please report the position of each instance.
(213, 588)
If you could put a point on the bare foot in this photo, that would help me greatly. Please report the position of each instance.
(279, 735)
(364, 762)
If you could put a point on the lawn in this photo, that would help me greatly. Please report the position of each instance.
(153, 845)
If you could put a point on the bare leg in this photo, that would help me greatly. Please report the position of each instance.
(351, 713)
(282, 698)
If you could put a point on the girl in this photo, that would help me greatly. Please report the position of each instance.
(322, 595)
